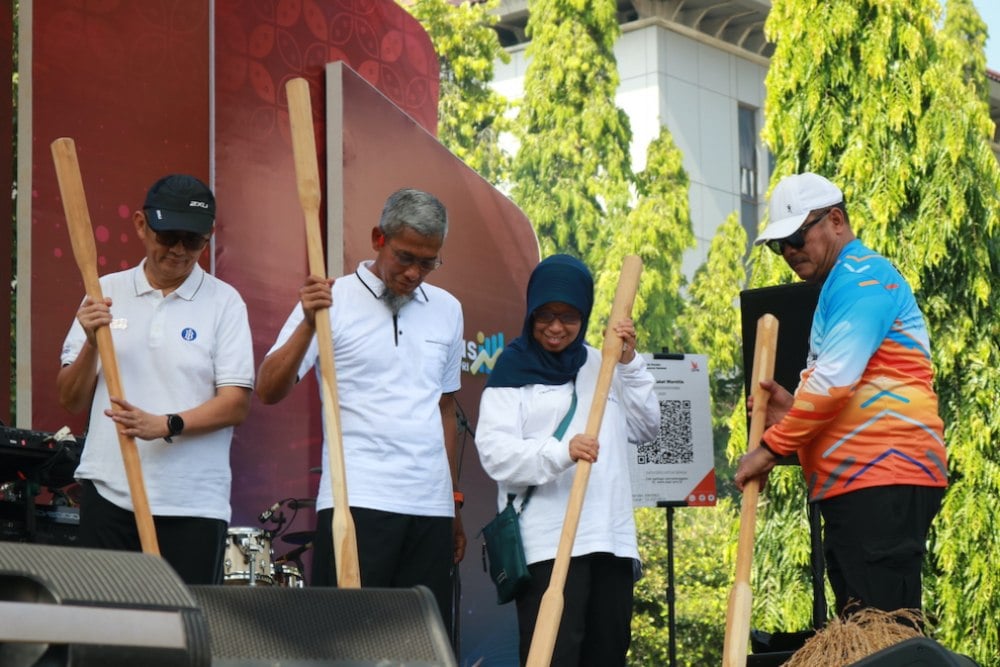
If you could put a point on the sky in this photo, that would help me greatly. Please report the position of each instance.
(990, 11)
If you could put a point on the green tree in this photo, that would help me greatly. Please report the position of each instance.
(869, 93)
(658, 230)
(472, 115)
(701, 585)
(572, 171)
(962, 292)
(710, 323)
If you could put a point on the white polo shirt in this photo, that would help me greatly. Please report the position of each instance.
(173, 352)
(391, 373)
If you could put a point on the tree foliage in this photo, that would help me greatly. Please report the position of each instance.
(471, 113)
(871, 94)
(572, 171)
(701, 586)
(658, 230)
(710, 322)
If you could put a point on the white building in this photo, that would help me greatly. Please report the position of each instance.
(698, 67)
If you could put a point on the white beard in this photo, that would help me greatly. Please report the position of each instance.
(395, 302)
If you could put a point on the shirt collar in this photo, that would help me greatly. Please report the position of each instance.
(187, 290)
(375, 284)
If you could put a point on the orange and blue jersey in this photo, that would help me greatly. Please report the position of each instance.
(865, 411)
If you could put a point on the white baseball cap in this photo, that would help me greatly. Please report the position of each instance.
(793, 198)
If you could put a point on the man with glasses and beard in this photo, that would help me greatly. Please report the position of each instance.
(864, 419)
(398, 347)
(182, 340)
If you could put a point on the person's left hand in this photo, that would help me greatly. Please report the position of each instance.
(625, 329)
(136, 423)
(459, 540)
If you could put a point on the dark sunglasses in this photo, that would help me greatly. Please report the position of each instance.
(797, 239)
(570, 317)
(190, 240)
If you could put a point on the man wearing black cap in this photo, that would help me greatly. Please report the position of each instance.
(184, 352)
(864, 419)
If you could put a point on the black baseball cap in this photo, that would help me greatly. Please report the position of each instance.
(179, 202)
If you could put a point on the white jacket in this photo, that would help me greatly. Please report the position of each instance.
(516, 446)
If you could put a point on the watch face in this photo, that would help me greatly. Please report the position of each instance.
(175, 424)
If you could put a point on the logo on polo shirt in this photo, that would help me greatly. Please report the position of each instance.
(481, 354)
(188, 334)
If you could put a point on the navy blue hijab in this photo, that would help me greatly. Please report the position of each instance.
(559, 278)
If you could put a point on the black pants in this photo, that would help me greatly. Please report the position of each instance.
(595, 629)
(874, 541)
(193, 546)
(394, 551)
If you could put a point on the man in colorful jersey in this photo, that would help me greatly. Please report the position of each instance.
(864, 419)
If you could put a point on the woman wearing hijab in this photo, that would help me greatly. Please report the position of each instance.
(528, 396)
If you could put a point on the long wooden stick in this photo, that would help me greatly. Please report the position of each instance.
(543, 641)
(81, 235)
(345, 541)
(734, 652)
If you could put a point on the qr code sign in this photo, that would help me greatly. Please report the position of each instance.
(675, 443)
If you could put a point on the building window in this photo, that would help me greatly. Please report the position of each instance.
(748, 171)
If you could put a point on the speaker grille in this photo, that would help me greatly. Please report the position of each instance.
(97, 577)
(39, 575)
(324, 625)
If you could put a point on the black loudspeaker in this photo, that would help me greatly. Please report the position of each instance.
(793, 305)
(916, 652)
(63, 606)
(298, 627)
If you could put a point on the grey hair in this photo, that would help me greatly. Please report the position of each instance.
(416, 209)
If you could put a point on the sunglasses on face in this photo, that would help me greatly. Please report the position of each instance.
(548, 317)
(797, 239)
(189, 240)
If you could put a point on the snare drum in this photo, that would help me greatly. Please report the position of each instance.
(288, 575)
(247, 559)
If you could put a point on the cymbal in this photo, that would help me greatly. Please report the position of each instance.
(301, 537)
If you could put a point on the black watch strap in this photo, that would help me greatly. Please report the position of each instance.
(175, 426)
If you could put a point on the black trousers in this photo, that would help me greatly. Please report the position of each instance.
(595, 630)
(193, 546)
(874, 541)
(395, 551)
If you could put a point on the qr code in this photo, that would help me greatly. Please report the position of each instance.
(674, 443)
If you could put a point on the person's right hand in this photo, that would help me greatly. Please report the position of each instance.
(92, 316)
(583, 446)
(778, 404)
(314, 295)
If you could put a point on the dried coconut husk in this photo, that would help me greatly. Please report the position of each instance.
(845, 641)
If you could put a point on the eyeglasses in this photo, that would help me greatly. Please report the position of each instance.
(190, 240)
(406, 260)
(569, 317)
(796, 239)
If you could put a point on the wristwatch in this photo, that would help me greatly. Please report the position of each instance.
(175, 426)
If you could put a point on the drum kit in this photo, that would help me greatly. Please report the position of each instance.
(249, 558)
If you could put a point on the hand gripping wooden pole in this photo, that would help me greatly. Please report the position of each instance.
(345, 541)
(81, 235)
(543, 641)
(734, 652)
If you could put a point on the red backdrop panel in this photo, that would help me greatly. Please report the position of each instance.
(262, 252)
(128, 81)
